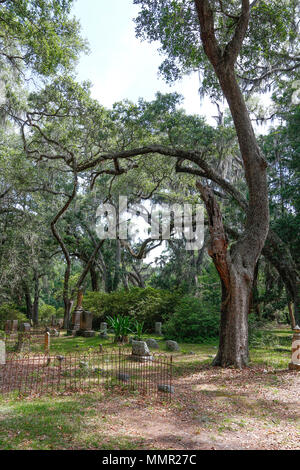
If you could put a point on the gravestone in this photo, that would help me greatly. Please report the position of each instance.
(295, 361)
(8, 326)
(158, 326)
(123, 377)
(25, 327)
(53, 320)
(21, 342)
(103, 330)
(60, 322)
(75, 323)
(86, 324)
(14, 328)
(165, 388)
(172, 346)
(152, 343)
(140, 351)
(2, 352)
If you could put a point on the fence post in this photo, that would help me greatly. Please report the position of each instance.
(47, 343)
(2, 353)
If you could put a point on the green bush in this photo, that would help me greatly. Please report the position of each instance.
(143, 305)
(46, 312)
(193, 321)
(9, 311)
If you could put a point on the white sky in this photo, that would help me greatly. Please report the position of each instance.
(120, 65)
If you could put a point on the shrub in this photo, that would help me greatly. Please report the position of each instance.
(193, 321)
(46, 312)
(143, 305)
(9, 311)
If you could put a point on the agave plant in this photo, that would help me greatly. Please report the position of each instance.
(139, 329)
(121, 326)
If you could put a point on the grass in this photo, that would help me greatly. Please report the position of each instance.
(77, 421)
(48, 423)
(272, 348)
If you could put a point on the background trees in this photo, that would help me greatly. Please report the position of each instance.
(62, 154)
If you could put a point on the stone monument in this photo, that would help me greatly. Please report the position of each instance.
(2, 352)
(86, 325)
(158, 328)
(25, 327)
(75, 322)
(140, 351)
(8, 326)
(103, 330)
(295, 361)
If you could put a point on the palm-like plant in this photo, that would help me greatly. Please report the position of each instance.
(121, 326)
(139, 329)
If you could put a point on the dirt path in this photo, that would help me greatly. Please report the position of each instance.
(214, 409)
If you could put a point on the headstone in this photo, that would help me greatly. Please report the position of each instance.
(158, 326)
(20, 343)
(47, 342)
(54, 332)
(75, 323)
(86, 324)
(165, 388)
(2, 352)
(53, 320)
(100, 348)
(123, 377)
(76, 315)
(14, 326)
(84, 365)
(172, 346)
(8, 326)
(103, 330)
(60, 322)
(25, 327)
(295, 362)
(140, 351)
(152, 343)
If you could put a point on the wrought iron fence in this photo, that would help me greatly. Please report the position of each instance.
(40, 374)
(26, 341)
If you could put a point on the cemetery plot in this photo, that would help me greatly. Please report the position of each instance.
(42, 373)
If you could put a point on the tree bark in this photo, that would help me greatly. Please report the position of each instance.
(94, 278)
(28, 301)
(68, 303)
(236, 289)
(235, 267)
(35, 310)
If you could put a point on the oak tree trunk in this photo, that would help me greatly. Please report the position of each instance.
(235, 266)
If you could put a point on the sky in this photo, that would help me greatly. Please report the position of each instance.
(120, 65)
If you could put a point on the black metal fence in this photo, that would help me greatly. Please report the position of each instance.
(26, 341)
(40, 374)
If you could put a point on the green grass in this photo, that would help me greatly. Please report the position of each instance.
(48, 423)
(271, 348)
